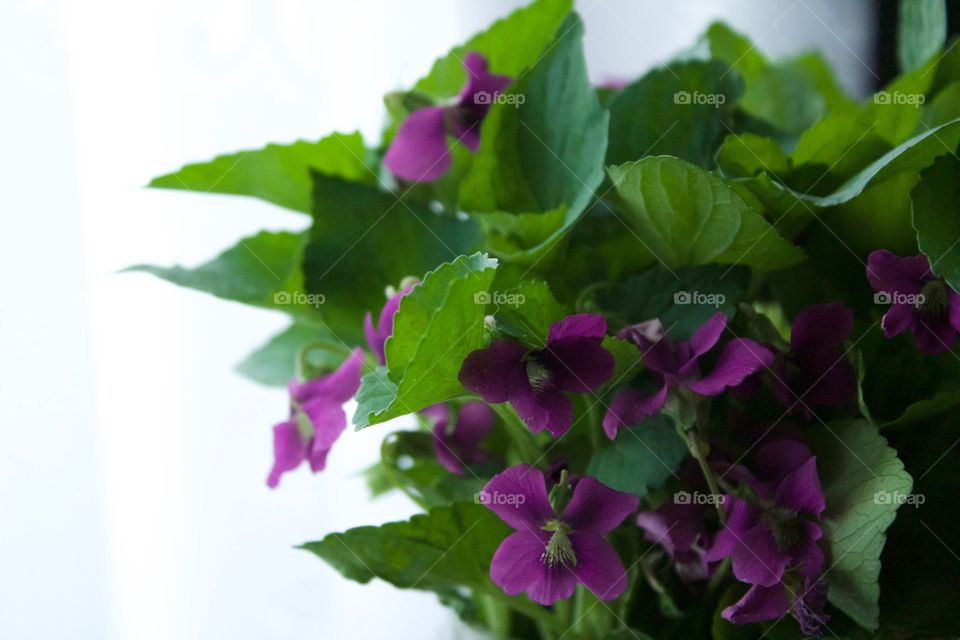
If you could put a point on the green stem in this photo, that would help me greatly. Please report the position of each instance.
(522, 438)
(543, 617)
(693, 443)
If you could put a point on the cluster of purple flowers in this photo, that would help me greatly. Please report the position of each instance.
(769, 525)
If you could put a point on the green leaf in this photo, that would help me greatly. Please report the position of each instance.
(676, 110)
(436, 326)
(861, 478)
(923, 410)
(274, 363)
(412, 463)
(747, 154)
(442, 550)
(510, 45)
(921, 31)
(548, 151)
(364, 239)
(688, 216)
(525, 239)
(527, 311)
(683, 299)
(791, 95)
(936, 217)
(641, 458)
(260, 270)
(277, 173)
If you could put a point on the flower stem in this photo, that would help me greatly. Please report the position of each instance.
(522, 439)
(693, 443)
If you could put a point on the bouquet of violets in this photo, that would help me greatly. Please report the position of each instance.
(680, 351)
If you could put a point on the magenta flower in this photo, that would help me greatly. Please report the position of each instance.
(805, 601)
(460, 446)
(419, 151)
(772, 539)
(816, 371)
(549, 554)
(677, 364)
(316, 418)
(678, 528)
(534, 381)
(377, 335)
(919, 300)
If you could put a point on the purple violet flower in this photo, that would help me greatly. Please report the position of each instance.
(772, 539)
(419, 151)
(534, 381)
(919, 300)
(678, 528)
(549, 554)
(816, 371)
(460, 446)
(316, 418)
(678, 366)
(377, 335)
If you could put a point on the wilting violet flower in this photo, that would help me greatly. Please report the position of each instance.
(460, 446)
(534, 381)
(678, 366)
(816, 371)
(772, 539)
(919, 300)
(419, 151)
(549, 553)
(377, 335)
(678, 528)
(316, 418)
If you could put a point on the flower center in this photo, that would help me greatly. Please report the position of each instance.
(559, 550)
(538, 375)
(786, 526)
(935, 301)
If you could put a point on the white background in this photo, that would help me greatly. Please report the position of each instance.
(132, 463)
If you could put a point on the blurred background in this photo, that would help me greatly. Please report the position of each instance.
(132, 467)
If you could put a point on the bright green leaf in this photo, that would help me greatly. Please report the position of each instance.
(864, 483)
(548, 151)
(261, 270)
(442, 550)
(688, 216)
(436, 326)
(277, 173)
(511, 45)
